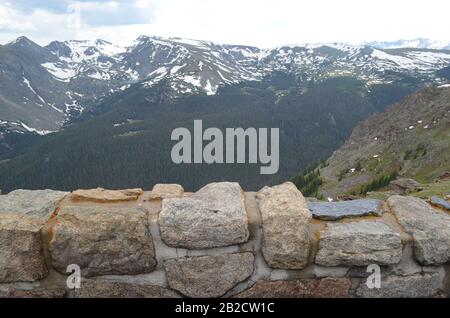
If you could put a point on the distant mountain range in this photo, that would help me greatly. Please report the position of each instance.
(43, 88)
(419, 43)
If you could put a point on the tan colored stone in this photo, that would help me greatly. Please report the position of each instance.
(304, 288)
(107, 289)
(101, 195)
(37, 204)
(21, 291)
(23, 215)
(21, 249)
(103, 240)
(208, 276)
(286, 220)
(166, 191)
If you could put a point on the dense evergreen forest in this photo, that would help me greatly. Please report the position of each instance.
(125, 141)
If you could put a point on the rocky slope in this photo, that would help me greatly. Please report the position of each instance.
(411, 138)
(41, 88)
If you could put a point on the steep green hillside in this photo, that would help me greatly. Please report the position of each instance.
(410, 139)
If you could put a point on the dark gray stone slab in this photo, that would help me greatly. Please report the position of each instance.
(337, 210)
(441, 203)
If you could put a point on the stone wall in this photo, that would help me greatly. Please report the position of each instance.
(219, 242)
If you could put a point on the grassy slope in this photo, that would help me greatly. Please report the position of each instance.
(412, 138)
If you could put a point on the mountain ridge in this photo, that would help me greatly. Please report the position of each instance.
(410, 139)
(78, 74)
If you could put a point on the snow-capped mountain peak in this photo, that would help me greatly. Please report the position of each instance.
(59, 80)
(419, 43)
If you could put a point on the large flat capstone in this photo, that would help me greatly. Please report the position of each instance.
(359, 244)
(429, 228)
(23, 214)
(208, 276)
(103, 240)
(440, 203)
(215, 216)
(166, 191)
(285, 218)
(337, 210)
(101, 195)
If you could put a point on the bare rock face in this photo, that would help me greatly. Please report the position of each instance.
(208, 276)
(429, 228)
(359, 244)
(166, 191)
(21, 249)
(215, 216)
(23, 214)
(414, 286)
(304, 288)
(285, 218)
(102, 240)
(405, 186)
(101, 195)
(106, 289)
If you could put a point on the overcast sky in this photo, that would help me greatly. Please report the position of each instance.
(264, 23)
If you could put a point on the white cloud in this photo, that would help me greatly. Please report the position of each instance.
(263, 23)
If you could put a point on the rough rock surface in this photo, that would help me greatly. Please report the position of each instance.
(440, 203)
(39, 204)
(405, 186)
(106, 289)
(208, 276)
(429, 228)
(285, 218)
(305, 288)
(33, 292)
(166, 191)
(419, 285)
(23, 213)
(337, 210)
(214, 216)
(104, 196)
(358, 244)
(21, 249)
(102, 240)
